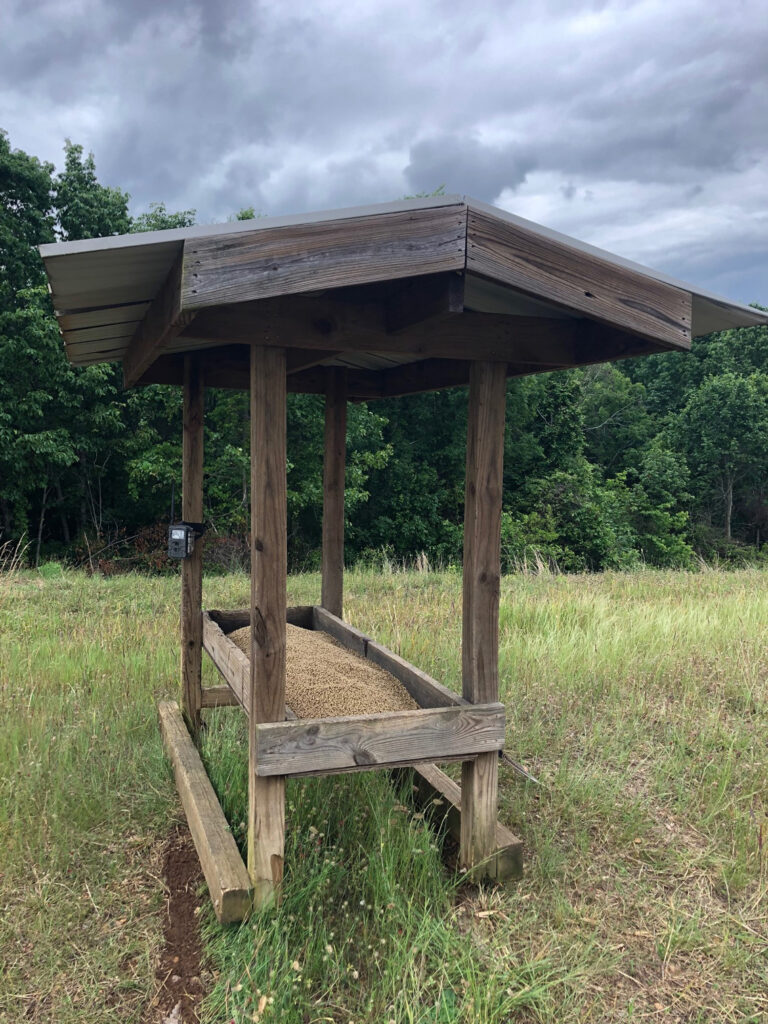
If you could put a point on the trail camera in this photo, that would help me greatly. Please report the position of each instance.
(181, 540)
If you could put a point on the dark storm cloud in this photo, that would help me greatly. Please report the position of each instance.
(462, 163)
(636, 124)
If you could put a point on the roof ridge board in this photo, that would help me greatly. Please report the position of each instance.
(54, 250)
(606, 255)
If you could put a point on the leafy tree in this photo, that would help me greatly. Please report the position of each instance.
(158, 218)
(26, 219)
(724, 428)
(85, 208)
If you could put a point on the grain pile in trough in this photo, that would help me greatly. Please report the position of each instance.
(323, 679)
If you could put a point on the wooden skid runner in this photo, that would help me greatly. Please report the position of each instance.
(430, 786)
(225, 873)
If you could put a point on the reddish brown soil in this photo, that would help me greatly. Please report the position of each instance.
(179, 985)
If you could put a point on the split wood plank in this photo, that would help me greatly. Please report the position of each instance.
(192, 565)
(297, 258)
(440, 797)
(326, 745)
(334, 469)
(269, 569)
(164, 319)
(225, 873)
(579, 280)
(481, 586)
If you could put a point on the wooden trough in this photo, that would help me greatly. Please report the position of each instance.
(354, 305)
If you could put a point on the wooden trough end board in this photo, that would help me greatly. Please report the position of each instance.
(359, 742)
(223, 867)
(229, 659)
(440, 797)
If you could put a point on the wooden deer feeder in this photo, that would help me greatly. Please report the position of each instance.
(355, 304)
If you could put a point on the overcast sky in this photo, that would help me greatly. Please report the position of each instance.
(641, 127)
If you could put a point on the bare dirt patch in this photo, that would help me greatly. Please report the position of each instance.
(181, 981)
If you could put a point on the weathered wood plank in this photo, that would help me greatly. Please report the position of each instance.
(440, 797)
(347, 635)
(297, 258)
(425, 690)
(229, 660)
(219, 697)
(225, 873)
(269, 569)
(334, 469)
(192, 566)
(330, 323)
(578, 280)
(164, 319)
(373, 741)
(481, 585)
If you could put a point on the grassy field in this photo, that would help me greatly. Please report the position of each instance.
(640, 701)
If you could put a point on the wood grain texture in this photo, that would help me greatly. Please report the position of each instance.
(297, 258)
(229, 660)
(192, 566)
(326, 745)
(234, 666)
(353, 639)
(164, 319)
(334, 470)
(269, 568)
(481, 584)
(440, 797)
(225, 873)
(219, 697)
(331, 323)
(425, 690)
(548, 269)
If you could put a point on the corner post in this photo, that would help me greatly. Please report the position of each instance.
(334, 467)
(481, 586)
(269, 567)
(192, 566)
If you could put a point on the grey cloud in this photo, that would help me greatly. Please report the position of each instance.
(219, 105)
(464, 164)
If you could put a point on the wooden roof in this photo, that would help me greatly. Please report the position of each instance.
(403, 294)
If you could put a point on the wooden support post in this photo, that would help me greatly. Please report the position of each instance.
(334, 466)
(480, 623)
(192, 566)
(269, 566)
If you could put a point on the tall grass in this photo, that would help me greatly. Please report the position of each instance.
(639, 700)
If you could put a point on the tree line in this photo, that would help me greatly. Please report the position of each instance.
(656, 461)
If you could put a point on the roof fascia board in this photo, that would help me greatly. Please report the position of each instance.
(52, 250)
(290, 259)
(546, 267)
(609, 257)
